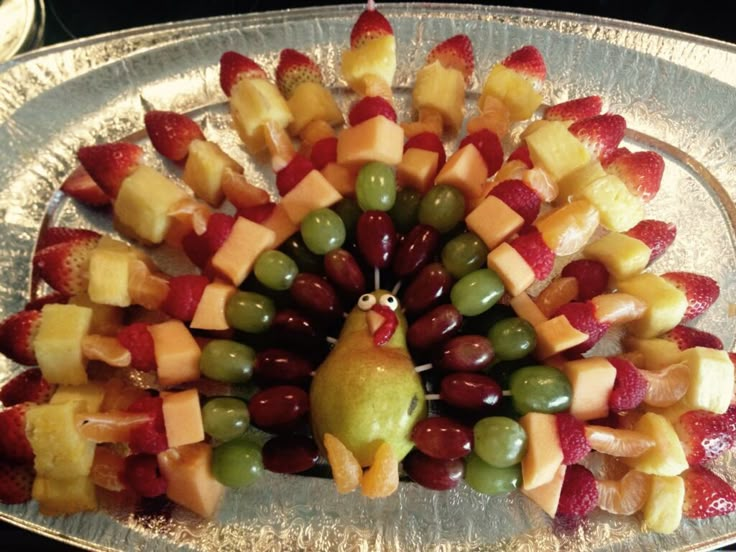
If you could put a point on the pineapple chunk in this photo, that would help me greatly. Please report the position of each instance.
(309, 102)
(58, 343)
(442, 89)
(711, 379)
(619, 209)
(666, 457)
(516, 92)
(64, 496)
(108, 277)
(377, 57)
(567, 229)
(575, 182)
(253, 103)
(665, 304)
(205, 165)
(656, 353)
(622, 255)
(106, 319)
(555, 150)
(61, 452)
(90, 394)
(143, 204)
(663, 509)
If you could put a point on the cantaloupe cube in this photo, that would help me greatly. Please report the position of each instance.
(58, 343)
(591, 380)
(310, 101)
(417, 169)
(618, 208)
(663, 508)
(210, 311)
(108, 277)
(547, 496)
(183, 418)
(666, 457)
(341, 178)
(106, 319)
(253, 103)
(666, 304)
(280, 224)
(543, 456)
(573, 184)
(143, 204)
(622, 255)
(493, 221)
(374, 58)
(190, 481)
(555, 336)
(376, 139)
(90, 394)
(516, 92)
(711, 379)
(514, 271)
(443, 90)
(176, 351)
(526, 309)
(656, 353)
(465, 170)
(203, 170)
(57, 497)
(312, 192)
(235, 258)
(555, 150)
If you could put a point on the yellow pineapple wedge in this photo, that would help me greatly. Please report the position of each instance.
(554, 149)
(667, 456)
(622, 255)
(253, 104)
(619, 209)
(64, 496)
(666, 304)
(663, 508)
(91, 395)
(369, 65)
(576, 181)
(204, 170)
(711, 379)
(106, 319)
(58, 343)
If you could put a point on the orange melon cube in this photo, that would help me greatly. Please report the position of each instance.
(210, 312)
(466, 170)
(182, 418)
(493, 221)
(281, 225)
(514, 271)
(557, 335)
(417, 169)
(177, 353)
(236, 256)
(341, 178)
(190, 480)
(526, 309)
(547, 496)
(377, 139)
(543, 456)
(313, 192)
(592, 382)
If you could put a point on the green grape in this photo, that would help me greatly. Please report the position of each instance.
(225, 418)
(249, 312)
(540, 389)
(512, 338)
(323, 231)
(307, 261)
(349, 211)
(476, 292)
(463, 254)
(237, 463)
(227, 361)
(405, 211)
(375, 187)
(275, 270)
(499, 441)
(442, 207)
(487, 479)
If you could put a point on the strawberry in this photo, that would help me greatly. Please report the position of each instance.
(575, 110)
(184, 295)
(60, 234)
(64, 266)
(455, 53)
(324, 152)
(149, 437)
(51, 298)
(219, 226)
(592, 277)
(171, 133)
(641, 172)
(520, 197)
(16, 336)
(430, 142)
(615, 154)
(582, 317)
(579, 495)
(109, 164)
(527, 61)
(369, 107)
(293, 69)
(701, 291)
(138, 340)
(489, 147)
(28, 386)
(535, 252)
(143, 476)
(600, 134)
(706, 436)
(234, 66)
(14, 445)
(686, 337)
(293, 173)
(16, 482)
(258, 213)
(629, 387)
(195, 248)
(706, 494)
(573, 442)
(655, 234)
(369, 25)
(521, 154)
(80, 185)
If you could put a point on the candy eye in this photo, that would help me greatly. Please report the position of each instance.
(389, 301)
(366, 301)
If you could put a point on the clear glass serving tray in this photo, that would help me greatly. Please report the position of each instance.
(675, 91)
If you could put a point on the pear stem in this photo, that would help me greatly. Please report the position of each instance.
(432, 397)
(376, 278)
(396, 289)
(423, 367)
(331, 340)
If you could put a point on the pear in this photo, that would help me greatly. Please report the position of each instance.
(366, 394)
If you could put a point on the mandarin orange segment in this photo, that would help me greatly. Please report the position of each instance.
(316, 131)
(109, 427)
(240, 192)
(560, 291)
(107, 469)
(346, 470)
(382, 478)
(107, 349)
(666, 387)
(626, 496)
(279, 145)
(622, 443)
(618, 308)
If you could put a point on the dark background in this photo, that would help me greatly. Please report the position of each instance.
(69, 19)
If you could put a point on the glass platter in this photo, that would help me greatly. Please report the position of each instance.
(674, 90)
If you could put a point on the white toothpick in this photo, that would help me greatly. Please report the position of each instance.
(396, 289)
(376, 278)
(422, 368)
(432, 397)
(331, 340)
(506, 392)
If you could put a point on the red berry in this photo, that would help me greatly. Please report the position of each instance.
(371, 24)
(219, 226)
(80, 185)
(520, 197)
(369, 107)
(143, 475)
(592, 277)
(196, 249)
(686, 337)
(629, 387)
(234, 66)
(700, 291)
(430, 142)
(535, 252)
(457, 53)
(655, 234)
(17, 333)
(14, 445)
(706, 494)
(149, 437)
(16, 482)
(171, 133)
(28, 386)
(582, 317)
(705, 436)
(489, 147)
(324, 152)
(521, 154)
(295, 68)
(184, 295)
(579, 495)
(573, 442)
(293, 173)
(137, 339)
(528, 61)
(258, 213)
(109, 164)
(575, 110)
(64, 266)
(601, 134)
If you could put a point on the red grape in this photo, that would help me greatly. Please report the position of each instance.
(439, 475)
(289, 454)
(316, 295)
(466, 353)
(278, 408)
(376, 238)
(343, 270)
(434, 327)
(279, 366)
(416, 249)
(442, 438)
(469, 390)
(429, 287)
